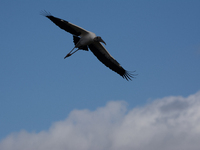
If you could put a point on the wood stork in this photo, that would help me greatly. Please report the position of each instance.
(83, 39)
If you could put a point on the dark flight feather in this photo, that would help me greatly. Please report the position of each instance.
(98, 50)
(63, 25)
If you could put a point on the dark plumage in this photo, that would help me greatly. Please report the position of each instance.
(111, 63)
(63, 25)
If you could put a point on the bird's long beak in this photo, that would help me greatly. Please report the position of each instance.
(103, 41)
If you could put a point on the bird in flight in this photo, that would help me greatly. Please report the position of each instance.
(84, 39)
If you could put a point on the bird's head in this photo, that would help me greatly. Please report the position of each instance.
(99, 39)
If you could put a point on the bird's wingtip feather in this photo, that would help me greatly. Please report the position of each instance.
(128, 75)
(45, 13)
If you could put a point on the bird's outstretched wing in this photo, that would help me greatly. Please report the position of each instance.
(65, 25)
(102, 54)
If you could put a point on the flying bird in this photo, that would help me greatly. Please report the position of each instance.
(84, 39)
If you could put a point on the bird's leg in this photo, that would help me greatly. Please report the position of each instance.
(69, 54)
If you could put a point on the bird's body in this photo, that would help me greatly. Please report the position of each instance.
(84, 39)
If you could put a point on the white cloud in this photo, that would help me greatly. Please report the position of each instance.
(170, 123)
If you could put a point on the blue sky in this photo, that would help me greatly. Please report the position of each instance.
(158, 39)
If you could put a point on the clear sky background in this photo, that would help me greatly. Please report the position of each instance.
(40, 89)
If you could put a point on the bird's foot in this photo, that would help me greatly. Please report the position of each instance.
(67, 55)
